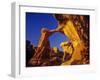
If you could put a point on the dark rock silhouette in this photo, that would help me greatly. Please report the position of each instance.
(30, 50)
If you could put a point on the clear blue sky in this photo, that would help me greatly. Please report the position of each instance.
(36, 21)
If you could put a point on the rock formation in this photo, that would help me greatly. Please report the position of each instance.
(76, 51)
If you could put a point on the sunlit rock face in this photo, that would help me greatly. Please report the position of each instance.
(42, 54)
(76, 28)
(75, 51)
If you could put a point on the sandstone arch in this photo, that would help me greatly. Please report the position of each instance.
(77, 39)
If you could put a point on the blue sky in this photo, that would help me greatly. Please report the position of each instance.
(36, 21)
